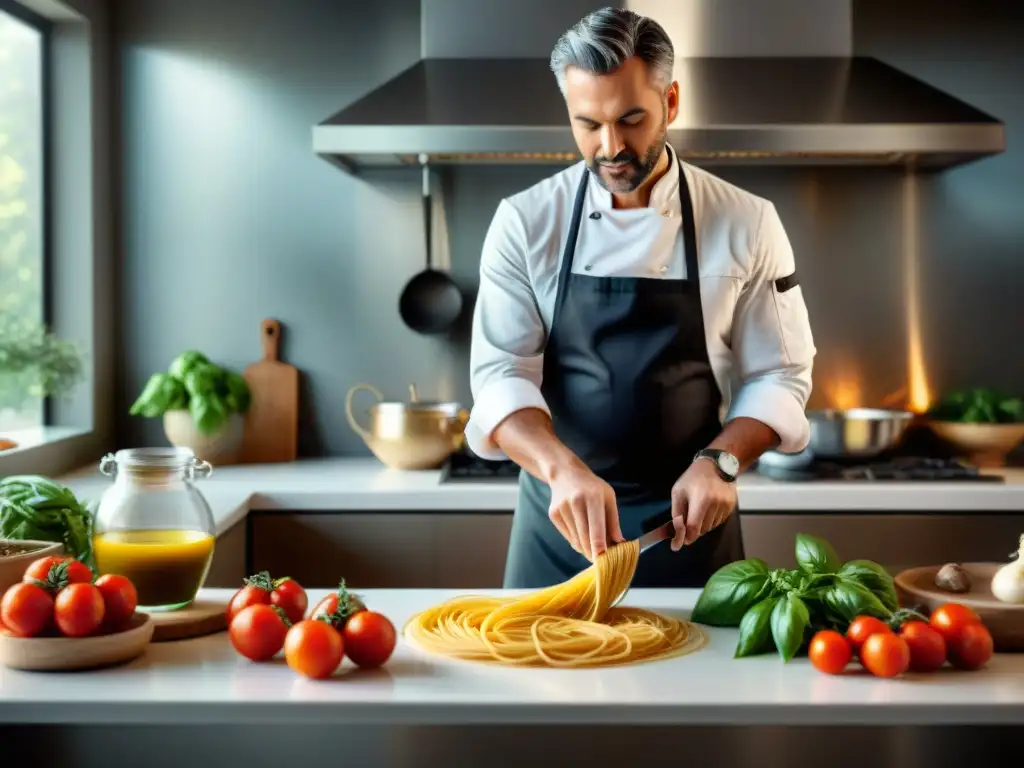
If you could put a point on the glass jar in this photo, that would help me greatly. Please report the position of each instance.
(153, 526)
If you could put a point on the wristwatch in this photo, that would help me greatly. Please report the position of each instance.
(728, 466)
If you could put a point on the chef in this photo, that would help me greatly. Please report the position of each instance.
(639, 337)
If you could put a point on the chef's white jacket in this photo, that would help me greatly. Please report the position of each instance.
(757, 331)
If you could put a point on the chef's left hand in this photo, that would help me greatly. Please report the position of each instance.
(701, 501)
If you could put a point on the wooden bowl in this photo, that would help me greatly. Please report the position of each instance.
(12, 568)
(986, 445)
(916, 586)
(70, 653)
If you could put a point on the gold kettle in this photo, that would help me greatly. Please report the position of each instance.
(413, 435)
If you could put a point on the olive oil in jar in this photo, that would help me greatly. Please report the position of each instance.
(167, 567)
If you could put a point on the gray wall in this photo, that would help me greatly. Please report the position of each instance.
(228, 217)
(972, 219)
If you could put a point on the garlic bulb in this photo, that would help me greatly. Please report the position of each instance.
(953, 578)
(1008, 583)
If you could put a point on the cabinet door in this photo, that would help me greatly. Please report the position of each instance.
(471, 549)
(370, 550)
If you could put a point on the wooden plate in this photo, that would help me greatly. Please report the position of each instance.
(202, 617)
(69, 653)
(916, 586)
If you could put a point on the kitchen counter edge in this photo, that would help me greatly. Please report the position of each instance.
(364, 484)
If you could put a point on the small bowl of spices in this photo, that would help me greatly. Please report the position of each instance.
(16, 555)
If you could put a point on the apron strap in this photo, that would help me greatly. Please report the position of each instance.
(569, 252)
(689, 229)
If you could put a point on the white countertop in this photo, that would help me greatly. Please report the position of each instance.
(204, 681)
(365, 484)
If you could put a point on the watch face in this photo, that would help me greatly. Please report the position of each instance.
(729, 463)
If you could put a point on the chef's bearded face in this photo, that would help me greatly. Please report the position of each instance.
(619, 121)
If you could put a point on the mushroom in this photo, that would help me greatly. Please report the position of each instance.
(953, 578)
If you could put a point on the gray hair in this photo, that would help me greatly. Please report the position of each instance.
(604, 40)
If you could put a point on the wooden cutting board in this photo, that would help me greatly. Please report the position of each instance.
(203, 617)
(272, 421)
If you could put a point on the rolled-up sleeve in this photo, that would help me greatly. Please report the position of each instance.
(772, 341)
(506, 350)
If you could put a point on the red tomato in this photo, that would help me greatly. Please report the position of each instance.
(246, 596)
(78, 609)
(951, 618)
(369, 638)
(328, 606)
(927, 646)
(291, 598)
(829, 651)
(119, 598)
(314, 648)
(258, 631)
(862, 627)
(71, 571)
(971, 648)
(26, 609)
(885, 654)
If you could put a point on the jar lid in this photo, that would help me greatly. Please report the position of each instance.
(155, 462)
(156, 458)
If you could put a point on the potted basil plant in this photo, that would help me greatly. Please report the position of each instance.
(202, 406)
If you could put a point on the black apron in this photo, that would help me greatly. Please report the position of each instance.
(631, 391)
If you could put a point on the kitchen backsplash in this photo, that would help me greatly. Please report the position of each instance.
(227, 216)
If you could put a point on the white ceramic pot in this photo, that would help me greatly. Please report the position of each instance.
(222, 447)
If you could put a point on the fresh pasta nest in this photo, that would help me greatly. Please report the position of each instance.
(574, 624)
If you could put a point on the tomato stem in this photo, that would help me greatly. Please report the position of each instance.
(282, 614)
(261, 580)
(348, 604)
(56, 578)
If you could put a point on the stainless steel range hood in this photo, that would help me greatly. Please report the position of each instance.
(819, 110)
(766, 82)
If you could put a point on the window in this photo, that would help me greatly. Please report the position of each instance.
(23, 210)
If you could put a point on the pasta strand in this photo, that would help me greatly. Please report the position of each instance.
(574, 624)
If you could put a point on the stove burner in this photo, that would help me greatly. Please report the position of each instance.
(466, 468)
(901, 469)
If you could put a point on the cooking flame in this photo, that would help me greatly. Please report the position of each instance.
(919, 394)
(844, 390)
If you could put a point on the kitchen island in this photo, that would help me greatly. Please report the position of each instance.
(182, 693)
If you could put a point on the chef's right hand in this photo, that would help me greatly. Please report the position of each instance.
(584, 511)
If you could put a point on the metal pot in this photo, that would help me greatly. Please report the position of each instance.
(838, 434)
(856, 432)
(413, 435)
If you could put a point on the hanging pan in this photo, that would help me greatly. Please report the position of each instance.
(431, 301)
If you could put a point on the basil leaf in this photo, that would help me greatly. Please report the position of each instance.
(203, 380)
(186, 362)
(730, 591)
(873, 576)
(815, 555)
(151, 402)
(850, 599)
(162, 393)
(790, 619)
(209, 413)
(35, 507)
(755, 628)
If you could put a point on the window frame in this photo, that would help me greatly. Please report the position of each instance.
(81, 244)
(44, 27)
